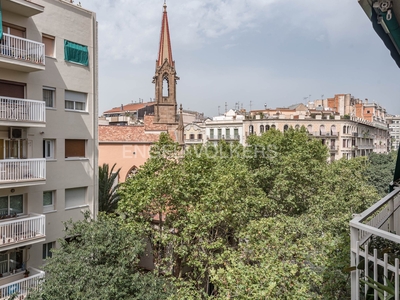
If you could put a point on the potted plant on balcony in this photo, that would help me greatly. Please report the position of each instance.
(26, 273)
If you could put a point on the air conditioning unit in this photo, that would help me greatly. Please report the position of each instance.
(15, 133)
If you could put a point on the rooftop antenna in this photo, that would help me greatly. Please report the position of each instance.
(322, 97)
(265, 105)
(218, 110)
(250, 104)
(226, 107)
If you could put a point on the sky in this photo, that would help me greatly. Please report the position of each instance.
(256, 53)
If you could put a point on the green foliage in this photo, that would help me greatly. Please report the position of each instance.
(99, 260)
(108, 196)
(380, 171)
(267, 221)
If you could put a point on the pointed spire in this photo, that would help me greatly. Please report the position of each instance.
(180, 125)
(165, 50)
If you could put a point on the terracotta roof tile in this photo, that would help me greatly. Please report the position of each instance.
(129, 107)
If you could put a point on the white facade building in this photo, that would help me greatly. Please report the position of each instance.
(48, 131)
(228, 127)
(394, 130)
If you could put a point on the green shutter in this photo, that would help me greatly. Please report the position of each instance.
(76, 53)
(1, 22)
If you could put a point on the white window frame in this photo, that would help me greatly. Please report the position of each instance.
(74, 99)
(53, 90)
(49, 207)
(48, 149)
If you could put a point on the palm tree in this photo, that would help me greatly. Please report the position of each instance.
(108, 196)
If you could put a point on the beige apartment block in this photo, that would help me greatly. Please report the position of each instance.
(394, 131)
(48, 131)
(348, 127)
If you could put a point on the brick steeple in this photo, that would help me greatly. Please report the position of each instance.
(165, 78)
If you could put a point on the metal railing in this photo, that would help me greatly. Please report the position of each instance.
(23, 286)
(22, 169)
(22, 109)
(381, 220)
(22, 49)
(21, 230)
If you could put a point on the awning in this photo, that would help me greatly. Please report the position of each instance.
(391, 39)
(76, 53)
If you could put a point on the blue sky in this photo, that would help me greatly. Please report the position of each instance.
(249, 51)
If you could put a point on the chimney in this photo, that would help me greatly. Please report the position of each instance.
(122, 107)
(366, 100)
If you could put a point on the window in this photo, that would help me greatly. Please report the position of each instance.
(227, 133)
(212, 133)
(75, 197)
(261, 128)
(47, 249)
(48, 201)
(49, 96)
(199, 136)
(13, 260)
(191, 136)
(75, 148)
(251, 129)
(48, 42)
(285, 128)
(219, 133)
(236, 133)
(15, 149)
(75, 101)
(76, 53)
(11, 205)
(48, 149)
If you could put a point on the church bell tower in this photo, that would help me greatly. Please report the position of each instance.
(165, 78)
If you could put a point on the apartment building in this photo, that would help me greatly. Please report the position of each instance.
(348, 127)
(228, 127)
(394, 131)
(48, 131)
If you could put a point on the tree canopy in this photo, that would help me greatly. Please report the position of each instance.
(99, 260)
(264, 221)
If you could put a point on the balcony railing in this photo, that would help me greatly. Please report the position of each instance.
(222, 137)
(22, 110)
(21, 288)
(22, 49)
(23, 230)
(15, 170)
(380, 220)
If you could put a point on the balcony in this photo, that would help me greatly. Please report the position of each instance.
(22, 7)
(21, 54)
(193, 141)
(21, 286)
(222, 137)
(21, 231)
(380, 221)
(334, 148)
(22, 172)
(22, 112)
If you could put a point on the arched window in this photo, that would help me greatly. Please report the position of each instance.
(322, 130)
(273, 127)
(348, 129)
(165, 87)
(261, 128)
(251, 129)
(286, 127)
(309, 128)
(344, 129)
(131, 173)
(297, 127)
(266, 127)
(333, 130)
